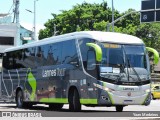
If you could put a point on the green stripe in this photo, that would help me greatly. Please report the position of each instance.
(104, 84)
(156, 54)
(88, 101)
(145, 99)
(54, 100)
(110, 97)
(32, 83)
(97, 49)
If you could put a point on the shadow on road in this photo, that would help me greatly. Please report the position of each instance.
(46, 108)
(45, 111)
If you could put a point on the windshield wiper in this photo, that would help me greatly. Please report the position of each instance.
(135, 71)
(130, 66)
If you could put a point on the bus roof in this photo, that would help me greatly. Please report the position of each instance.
(110, 37)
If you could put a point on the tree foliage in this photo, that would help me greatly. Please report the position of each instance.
(87, 16)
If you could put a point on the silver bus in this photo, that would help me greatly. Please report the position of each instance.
(90, 68)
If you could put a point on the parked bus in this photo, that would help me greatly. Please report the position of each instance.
(88, 68)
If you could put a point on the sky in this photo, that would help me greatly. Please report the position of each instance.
(44, 9)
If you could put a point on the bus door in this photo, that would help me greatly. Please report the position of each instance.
(92, 70)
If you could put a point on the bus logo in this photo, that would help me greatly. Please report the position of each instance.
(130, 89)
(129, 94)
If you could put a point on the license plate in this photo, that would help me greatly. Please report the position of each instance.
(128, 101)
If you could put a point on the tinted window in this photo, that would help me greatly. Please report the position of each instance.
(6, 41)
(7, 61)
(69, 53)
(17, 59)
(49, 54)
(42, 54)
(84, 49)
(57, 53)
(29, 57)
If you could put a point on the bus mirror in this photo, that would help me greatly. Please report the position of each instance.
(97, 49)
(91, 61)
(156, 54)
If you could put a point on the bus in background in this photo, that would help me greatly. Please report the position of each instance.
(90, 68)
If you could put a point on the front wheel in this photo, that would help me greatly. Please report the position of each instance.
(152, 97)
(74, 102)
(119, 108)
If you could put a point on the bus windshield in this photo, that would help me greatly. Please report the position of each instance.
(136, 55)
(124, 62)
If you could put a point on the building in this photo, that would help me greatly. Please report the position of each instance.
(12, 34)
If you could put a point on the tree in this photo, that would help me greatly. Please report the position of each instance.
(88, 16)
(81, 17)
(150, 34)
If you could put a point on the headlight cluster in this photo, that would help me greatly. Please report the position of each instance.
(147, 90)
(109, 89)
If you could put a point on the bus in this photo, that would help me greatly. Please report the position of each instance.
(90, 68)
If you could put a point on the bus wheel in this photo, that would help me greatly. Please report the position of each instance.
(19, 99)
(74, 102)
(119, 108)
(55, 106)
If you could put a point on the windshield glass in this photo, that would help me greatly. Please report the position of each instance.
(124, 62)
(112, 55)
(136, 55)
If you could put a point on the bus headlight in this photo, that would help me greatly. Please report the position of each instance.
(109, 90)
(147, 90)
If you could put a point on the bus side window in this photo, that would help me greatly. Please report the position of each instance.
(17, 59)
(39, 56)
(84, 49)
(88, 56)
(6, 61)
(49, 54)
(10, 64)
(30, 59)
(57, 53)
(69, 53)
(91, 60)
(50, 58)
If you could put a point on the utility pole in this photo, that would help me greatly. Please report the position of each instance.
(16, 17)
(118, 19)
(55, 30)
(35, 20)
(112, 16)
(16, 11)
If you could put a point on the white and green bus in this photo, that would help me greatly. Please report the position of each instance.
(90, 68)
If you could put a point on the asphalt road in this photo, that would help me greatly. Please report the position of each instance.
(130, 112)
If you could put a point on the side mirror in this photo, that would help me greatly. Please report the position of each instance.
(156, 54)
(91, 61)
(97, 49)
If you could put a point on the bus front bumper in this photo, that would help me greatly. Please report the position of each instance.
(125, 98)
(130, 100)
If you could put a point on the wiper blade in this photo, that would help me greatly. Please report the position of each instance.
(130, 66)
(135, 73)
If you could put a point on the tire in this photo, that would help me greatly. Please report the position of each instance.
(152, 97)
(119, 108)
(74, 101)
(55, 106)
(19, 99)
(27, 105)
